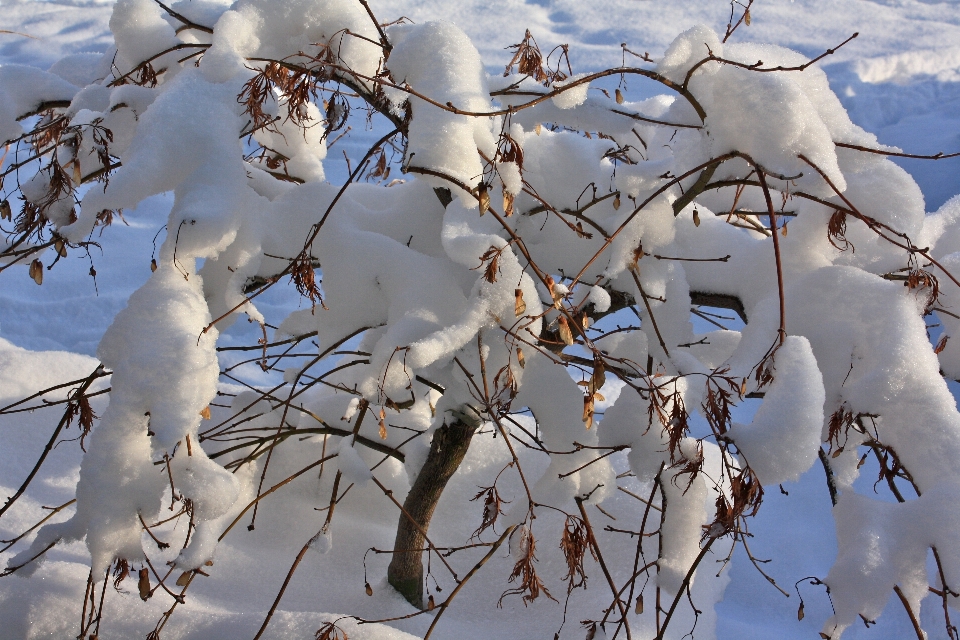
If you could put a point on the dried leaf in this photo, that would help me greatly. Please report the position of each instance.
(36, 271)
(800, 612)
(383, 424)
(599, 376)
(77, 176)
(531, 586)
(184, 579)
(942, 344)
(588, 411)
(564, 328)
(508, 204)
(619, 96)
(484, 197)
(574, 543)
(5, 212)
(520, 359)
(61, 248)
(519, 306)
(205, 414)
(143, 584)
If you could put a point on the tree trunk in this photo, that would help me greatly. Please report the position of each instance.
(449, 446)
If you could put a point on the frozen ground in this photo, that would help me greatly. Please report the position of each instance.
(900, 79)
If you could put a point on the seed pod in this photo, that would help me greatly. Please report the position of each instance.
(519, 306)
(383, 424)
(638, 609)
(696, 218)
(143, 584)
(746, 17)
(368, 589)
(36, 271)
(484, 197)
(77, 176)
(520, 359)
(431, 605)
(205, 414)
(619, 97)
(538, 128)
(507, 204)
(616, 202)
(565, 334)
(61, 248)
(5, 212)
(784, 231)
(800, 612)
(153, 264)
(837, 452)
(184, 579)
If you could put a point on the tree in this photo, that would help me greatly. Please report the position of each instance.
(492, 288)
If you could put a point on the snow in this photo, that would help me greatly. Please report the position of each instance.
(425, 307)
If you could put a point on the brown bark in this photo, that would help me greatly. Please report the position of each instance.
(449, 446)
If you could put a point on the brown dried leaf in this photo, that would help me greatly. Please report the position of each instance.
(36, 271)
(574, 543)
(531, 586)
(519, 306)
(941, 345)
(836, 231)
(143, 584)
(564, 328)
(483, 196)
(205, 413)
(508, 204)
(588, 411)
(619, 96)
(184, 579)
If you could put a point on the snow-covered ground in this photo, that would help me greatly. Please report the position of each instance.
(899, 79)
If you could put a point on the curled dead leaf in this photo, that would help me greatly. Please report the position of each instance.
(564, 328)
(483, 197)
(143, 584)
(36, 271)
(519, 306)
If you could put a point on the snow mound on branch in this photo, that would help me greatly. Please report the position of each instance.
(782, 440)
(439, 61)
